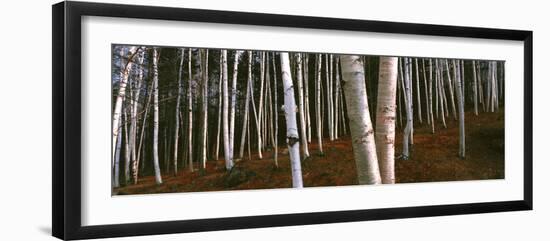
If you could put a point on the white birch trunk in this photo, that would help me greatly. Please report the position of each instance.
(430, 94)
(204, 130)
(134, 127)
(226, 145)
(260, 104)
(337, 99)
(475, 86)
(426, 97)
(291, 125)
(233, 93)
(116, 171)
(190, 114)
(385, 118)
(125, 70)
(460, 100)
(306, 96)
(450, 88)
(177, 114)
(126, 149)
(220, 103)
(329, 95)
(276, 108)
(419, 104)
(318, 103)
(362, 134)
(158, 177)
(136, 169)
(408, 109)
(301, 104)
(441, 94)
(246, 106)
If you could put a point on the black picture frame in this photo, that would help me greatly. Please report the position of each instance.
(66, 127)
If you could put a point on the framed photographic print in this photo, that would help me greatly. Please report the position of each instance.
(169, 120)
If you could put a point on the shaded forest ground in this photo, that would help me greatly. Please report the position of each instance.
(434, 157)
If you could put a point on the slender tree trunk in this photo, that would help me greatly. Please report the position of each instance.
(337, 99)
(306, 96)
(430, 94)
(158, 177)
(276, 108)
(450, 88)
(426, 96)
(204, 97)
(246, 107)
(475, 86)
(260, 105)
(125, 70)
(220, 103)
(342, 112)
(480, 87)
(408, 109)
(299, 80)
(134, 124)
(136, 169)
(318, 103)
(362, 133)
(177, 114)
(441, 92)
(293, 140)
(126, 149)
(190, 114)
(419, 104)
(460, 100)
(226, 144)
(116, 175)
(385, 118)
(329, 95)
(233, 93)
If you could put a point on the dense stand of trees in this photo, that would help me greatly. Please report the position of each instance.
(176, 109)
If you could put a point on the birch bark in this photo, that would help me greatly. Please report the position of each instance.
(293, 140)
(385, 118)
(362, 134)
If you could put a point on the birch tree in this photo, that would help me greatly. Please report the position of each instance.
(460, 101)
(246, 106)
(291, 125)
(474, 75)
(158, 178)
(385, 117)
(220, 104)
(190, 114)
(120, 96)
(301, 111)
(233, 93)
(258, 120)
(177, 113)
(275, 105)
(408, 109)
(362, 133)
(318, 103)
(226, 145)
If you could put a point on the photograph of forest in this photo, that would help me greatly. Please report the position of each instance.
(188, 119)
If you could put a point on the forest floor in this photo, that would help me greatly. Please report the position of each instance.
(434, 157)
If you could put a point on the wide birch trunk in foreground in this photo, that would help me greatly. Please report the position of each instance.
(362, 133)
(293, 139)
(385, 118)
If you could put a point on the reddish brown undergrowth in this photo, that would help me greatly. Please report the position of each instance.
(434, 157)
